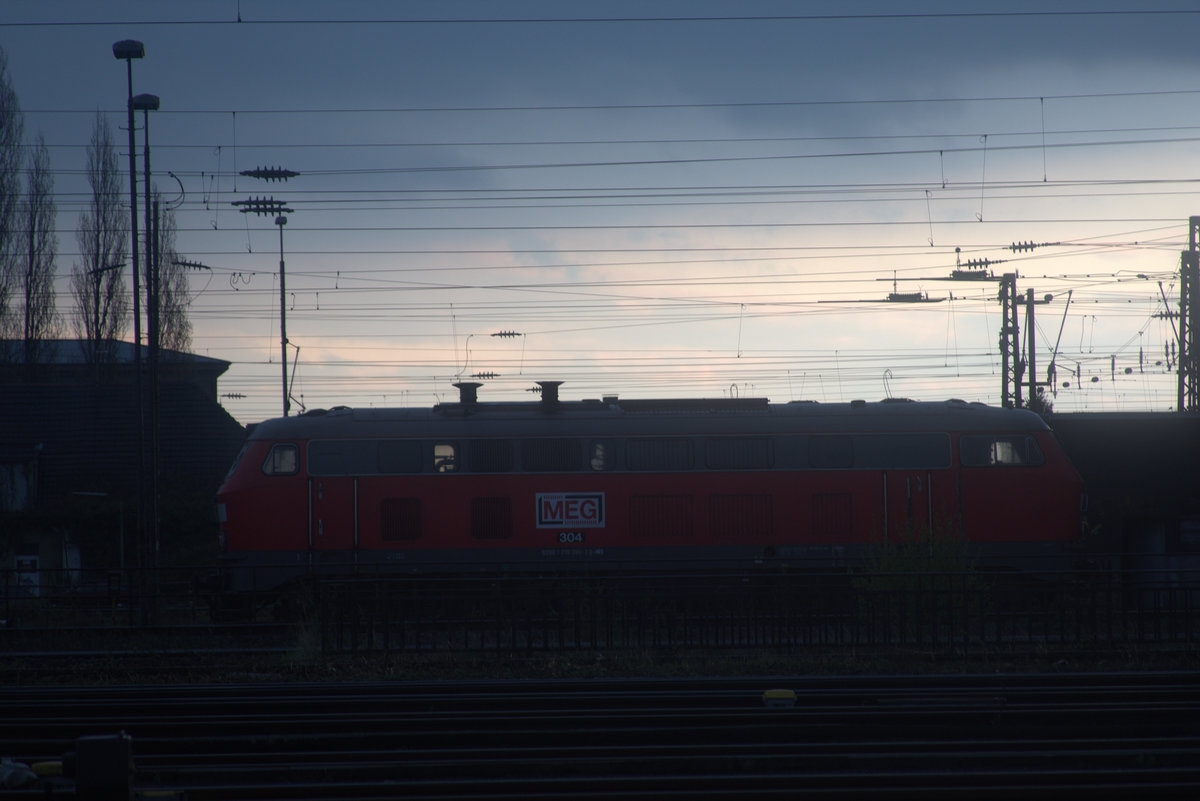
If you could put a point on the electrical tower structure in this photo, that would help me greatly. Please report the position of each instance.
(1010, 344)
(1189, 321)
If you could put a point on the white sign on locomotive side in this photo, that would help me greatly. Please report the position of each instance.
(570, 509)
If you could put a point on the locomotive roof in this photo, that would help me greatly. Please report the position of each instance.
(612, 417)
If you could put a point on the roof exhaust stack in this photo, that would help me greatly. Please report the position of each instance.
(468, 392)
(549, 395)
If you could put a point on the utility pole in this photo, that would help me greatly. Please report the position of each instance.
(271, 206)
(1030, 348)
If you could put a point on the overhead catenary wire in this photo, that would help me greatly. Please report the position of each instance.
(658, 280)
(239, 19)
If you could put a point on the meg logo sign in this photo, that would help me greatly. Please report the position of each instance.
(570, 509)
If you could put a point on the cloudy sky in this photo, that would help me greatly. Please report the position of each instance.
(652, 198)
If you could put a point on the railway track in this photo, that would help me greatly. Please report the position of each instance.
(1094, 736)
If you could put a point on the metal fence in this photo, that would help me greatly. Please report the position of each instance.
(960, 612)
(955, 612)
(75, 597)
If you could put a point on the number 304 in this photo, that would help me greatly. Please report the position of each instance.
(568, 537)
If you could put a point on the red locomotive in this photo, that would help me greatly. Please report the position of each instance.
(617, 484)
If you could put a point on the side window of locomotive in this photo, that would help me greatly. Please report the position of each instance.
(660, 453)
(283, 460)
(491, 455)
(445, 457)
(399, 456)
(791, 451)
(918, 451)
(550, 455)
(343, 457)
(601, 456)
(328, 457)
(830, 451)
(983, 450)
(739, 453)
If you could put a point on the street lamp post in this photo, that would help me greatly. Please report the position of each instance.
(127, 50)
(146, 103)
(269, 205)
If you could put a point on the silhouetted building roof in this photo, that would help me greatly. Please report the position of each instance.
(78, 421)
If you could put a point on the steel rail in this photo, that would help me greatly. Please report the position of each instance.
(1100, 736)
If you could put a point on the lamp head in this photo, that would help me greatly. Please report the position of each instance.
(129, 48)
(145, 103)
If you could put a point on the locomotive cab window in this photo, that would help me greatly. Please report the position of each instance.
(237, 460)
(445, 457)
(983, 450)
(283, 460)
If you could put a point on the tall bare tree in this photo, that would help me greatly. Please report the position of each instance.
(12, 127)
(101, 296)
(42, 322)
(174, 294)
